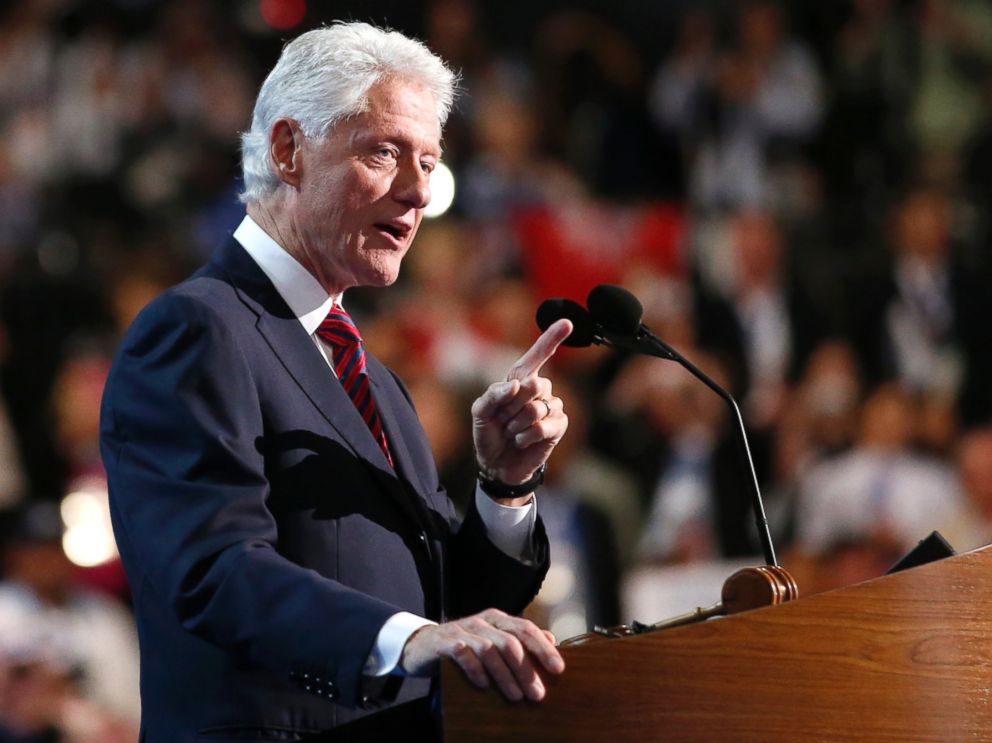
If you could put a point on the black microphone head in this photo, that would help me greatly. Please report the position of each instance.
(616, 309)
(556, 309)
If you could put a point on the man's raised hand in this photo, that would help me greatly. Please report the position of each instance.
(516, 423)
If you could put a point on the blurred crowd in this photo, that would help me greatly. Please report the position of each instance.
(799, 194)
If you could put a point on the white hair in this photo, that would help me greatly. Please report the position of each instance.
(323, 77)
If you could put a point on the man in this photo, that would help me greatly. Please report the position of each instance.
(276, 505)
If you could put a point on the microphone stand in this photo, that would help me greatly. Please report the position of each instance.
(646, 342)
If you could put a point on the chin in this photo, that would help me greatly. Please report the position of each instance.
(385, 281)
(383, 273)
(380, 278)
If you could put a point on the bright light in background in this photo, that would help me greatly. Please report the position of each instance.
(88, 538)
(568, 625)
(283, 14)
(442, 191)
(558, 584)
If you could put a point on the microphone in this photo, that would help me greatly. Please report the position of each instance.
(616, 309)
(616, 314)
(583, 332)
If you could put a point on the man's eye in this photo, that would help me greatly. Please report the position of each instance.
(427, 167)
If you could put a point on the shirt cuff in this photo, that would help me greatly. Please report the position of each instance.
(509, 527)
(389, 643)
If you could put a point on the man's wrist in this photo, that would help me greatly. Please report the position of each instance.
(509, 526)
(501, 491)
(387, 652)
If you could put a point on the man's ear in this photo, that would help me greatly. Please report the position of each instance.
(286, 151)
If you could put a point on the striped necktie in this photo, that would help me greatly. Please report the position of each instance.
(338, 330)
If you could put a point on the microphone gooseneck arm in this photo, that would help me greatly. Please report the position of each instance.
(644, 341)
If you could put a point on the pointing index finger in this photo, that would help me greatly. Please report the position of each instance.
(543, 349)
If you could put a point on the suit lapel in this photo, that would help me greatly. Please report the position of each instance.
(303, 362)
(395, 416)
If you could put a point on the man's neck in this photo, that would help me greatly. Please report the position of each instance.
(265, 216)
(274, 219)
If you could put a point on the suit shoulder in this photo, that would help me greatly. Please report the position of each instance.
(200, 301)
(199, 320)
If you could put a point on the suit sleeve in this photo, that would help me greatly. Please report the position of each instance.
(481, 575)
(180, 434)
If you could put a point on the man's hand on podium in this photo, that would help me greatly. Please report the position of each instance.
(491, 646)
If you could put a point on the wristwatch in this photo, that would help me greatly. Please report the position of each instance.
(498, 489)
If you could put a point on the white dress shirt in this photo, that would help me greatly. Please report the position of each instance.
(509, 528)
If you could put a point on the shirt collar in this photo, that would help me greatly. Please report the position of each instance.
(305, 296)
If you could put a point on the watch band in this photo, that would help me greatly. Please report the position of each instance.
(498, 489)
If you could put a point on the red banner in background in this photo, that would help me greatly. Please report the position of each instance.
(569, 249)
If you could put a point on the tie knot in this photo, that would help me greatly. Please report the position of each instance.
(338, 328)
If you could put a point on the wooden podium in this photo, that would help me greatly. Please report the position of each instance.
(906, 657)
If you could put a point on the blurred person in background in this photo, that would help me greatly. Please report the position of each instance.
(819, 422)
(295, 562)
(763, 304)
(40, 702)
(755, 304)
(679, 517)
(866, 141)
(699, 508)
(588, 477)
(827, 399)
(76, 395)
(974, 468)
(80, 642)
(920, 321)
(920, 316)
(881, 492)
(735, 108)
(592, 108)
(75, 406)
(675, 96)
(954, 39)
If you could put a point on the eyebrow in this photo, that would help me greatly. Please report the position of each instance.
(361, 136)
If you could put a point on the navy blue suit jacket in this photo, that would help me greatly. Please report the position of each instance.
(265, 537)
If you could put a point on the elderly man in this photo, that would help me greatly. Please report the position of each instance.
(295, 562)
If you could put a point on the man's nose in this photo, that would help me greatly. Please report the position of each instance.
(413, 186)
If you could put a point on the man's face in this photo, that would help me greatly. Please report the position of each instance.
(363, 188)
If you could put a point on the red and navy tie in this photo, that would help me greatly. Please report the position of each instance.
(339, 331)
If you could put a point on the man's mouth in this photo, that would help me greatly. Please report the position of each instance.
(397, 230)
